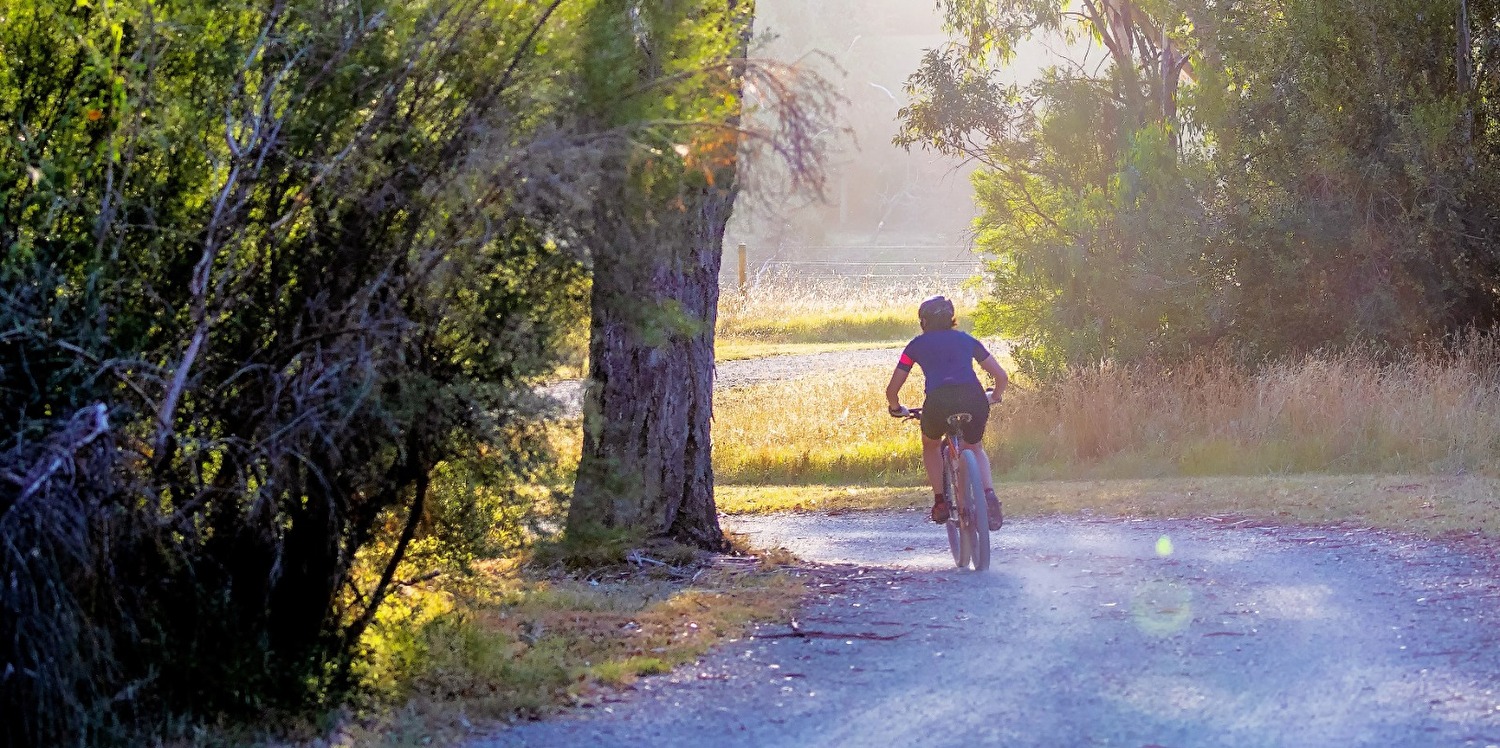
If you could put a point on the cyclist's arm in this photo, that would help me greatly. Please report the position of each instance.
(893, 390)
(898, 378)
(1002, 380)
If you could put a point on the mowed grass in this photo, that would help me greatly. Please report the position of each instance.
(741, 350)
(1413, 444)
(786, 317)
(787, 312)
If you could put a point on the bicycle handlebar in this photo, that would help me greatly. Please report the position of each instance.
(914, 413)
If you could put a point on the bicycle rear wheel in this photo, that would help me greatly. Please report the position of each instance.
(977, 512)
(956, 543)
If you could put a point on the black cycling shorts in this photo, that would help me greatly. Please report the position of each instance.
(945, 401)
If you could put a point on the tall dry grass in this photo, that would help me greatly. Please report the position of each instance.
(1346, 412)
(827, 428)
(1342, 412)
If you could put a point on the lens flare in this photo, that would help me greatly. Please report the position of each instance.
(1162, 608)
(1163, 546)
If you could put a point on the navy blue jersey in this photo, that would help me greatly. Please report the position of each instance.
(947, 358)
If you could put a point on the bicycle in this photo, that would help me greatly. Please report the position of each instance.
(968, 522)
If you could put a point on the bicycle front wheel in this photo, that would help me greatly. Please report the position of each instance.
(978, 513)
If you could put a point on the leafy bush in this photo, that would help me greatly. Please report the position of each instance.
(1233, 176)
(267, 268)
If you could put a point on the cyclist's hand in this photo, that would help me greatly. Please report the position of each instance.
(995, 397)
(899, 411)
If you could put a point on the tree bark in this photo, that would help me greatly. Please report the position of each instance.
(649, 403)
(648, 406)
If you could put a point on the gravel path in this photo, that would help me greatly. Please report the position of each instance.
(730, 374)
(1084, 634)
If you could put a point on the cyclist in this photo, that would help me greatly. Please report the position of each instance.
(944, 353)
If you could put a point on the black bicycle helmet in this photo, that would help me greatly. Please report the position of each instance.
(936, 311)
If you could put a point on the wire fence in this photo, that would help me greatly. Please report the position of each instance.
(947, 270)
(947, 264)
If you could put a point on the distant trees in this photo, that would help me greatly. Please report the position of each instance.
(1272, 175)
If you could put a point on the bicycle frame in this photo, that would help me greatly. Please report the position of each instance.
(968, 533)
(953, 448)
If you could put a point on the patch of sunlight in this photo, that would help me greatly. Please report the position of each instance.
(736, 349)
(1173, 697)
(1295, 602)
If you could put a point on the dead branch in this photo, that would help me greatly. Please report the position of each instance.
(86, 425)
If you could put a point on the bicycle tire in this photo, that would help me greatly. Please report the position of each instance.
(978, 512)
(955, 531)
(963, 525)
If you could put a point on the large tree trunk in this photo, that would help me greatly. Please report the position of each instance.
(649, 403)
(648, 406)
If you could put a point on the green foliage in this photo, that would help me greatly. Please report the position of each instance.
(277, 281)
(275, 284)
(1270, 176)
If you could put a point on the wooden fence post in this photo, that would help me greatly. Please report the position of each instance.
(742, 268)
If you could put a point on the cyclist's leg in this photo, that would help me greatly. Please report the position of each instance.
(932, 460)
(979, 406)
(984, 465)
(933, 427)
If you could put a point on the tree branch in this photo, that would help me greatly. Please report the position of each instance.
(525, 49)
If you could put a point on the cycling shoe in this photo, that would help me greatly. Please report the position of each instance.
(939, 511)
(997, 516)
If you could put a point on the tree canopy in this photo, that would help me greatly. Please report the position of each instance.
(277, 281)
(1265, 175)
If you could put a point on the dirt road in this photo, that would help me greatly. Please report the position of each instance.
(1091, 633)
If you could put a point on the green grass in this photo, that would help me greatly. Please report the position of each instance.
(740, 350)
(761, 499)
(514, 643)
(822, 313)
(826, 429)
(834, 326)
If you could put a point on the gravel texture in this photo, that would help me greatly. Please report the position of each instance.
(1089, 632)
(568, 394)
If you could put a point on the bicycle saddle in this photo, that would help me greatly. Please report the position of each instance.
(960, 418)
